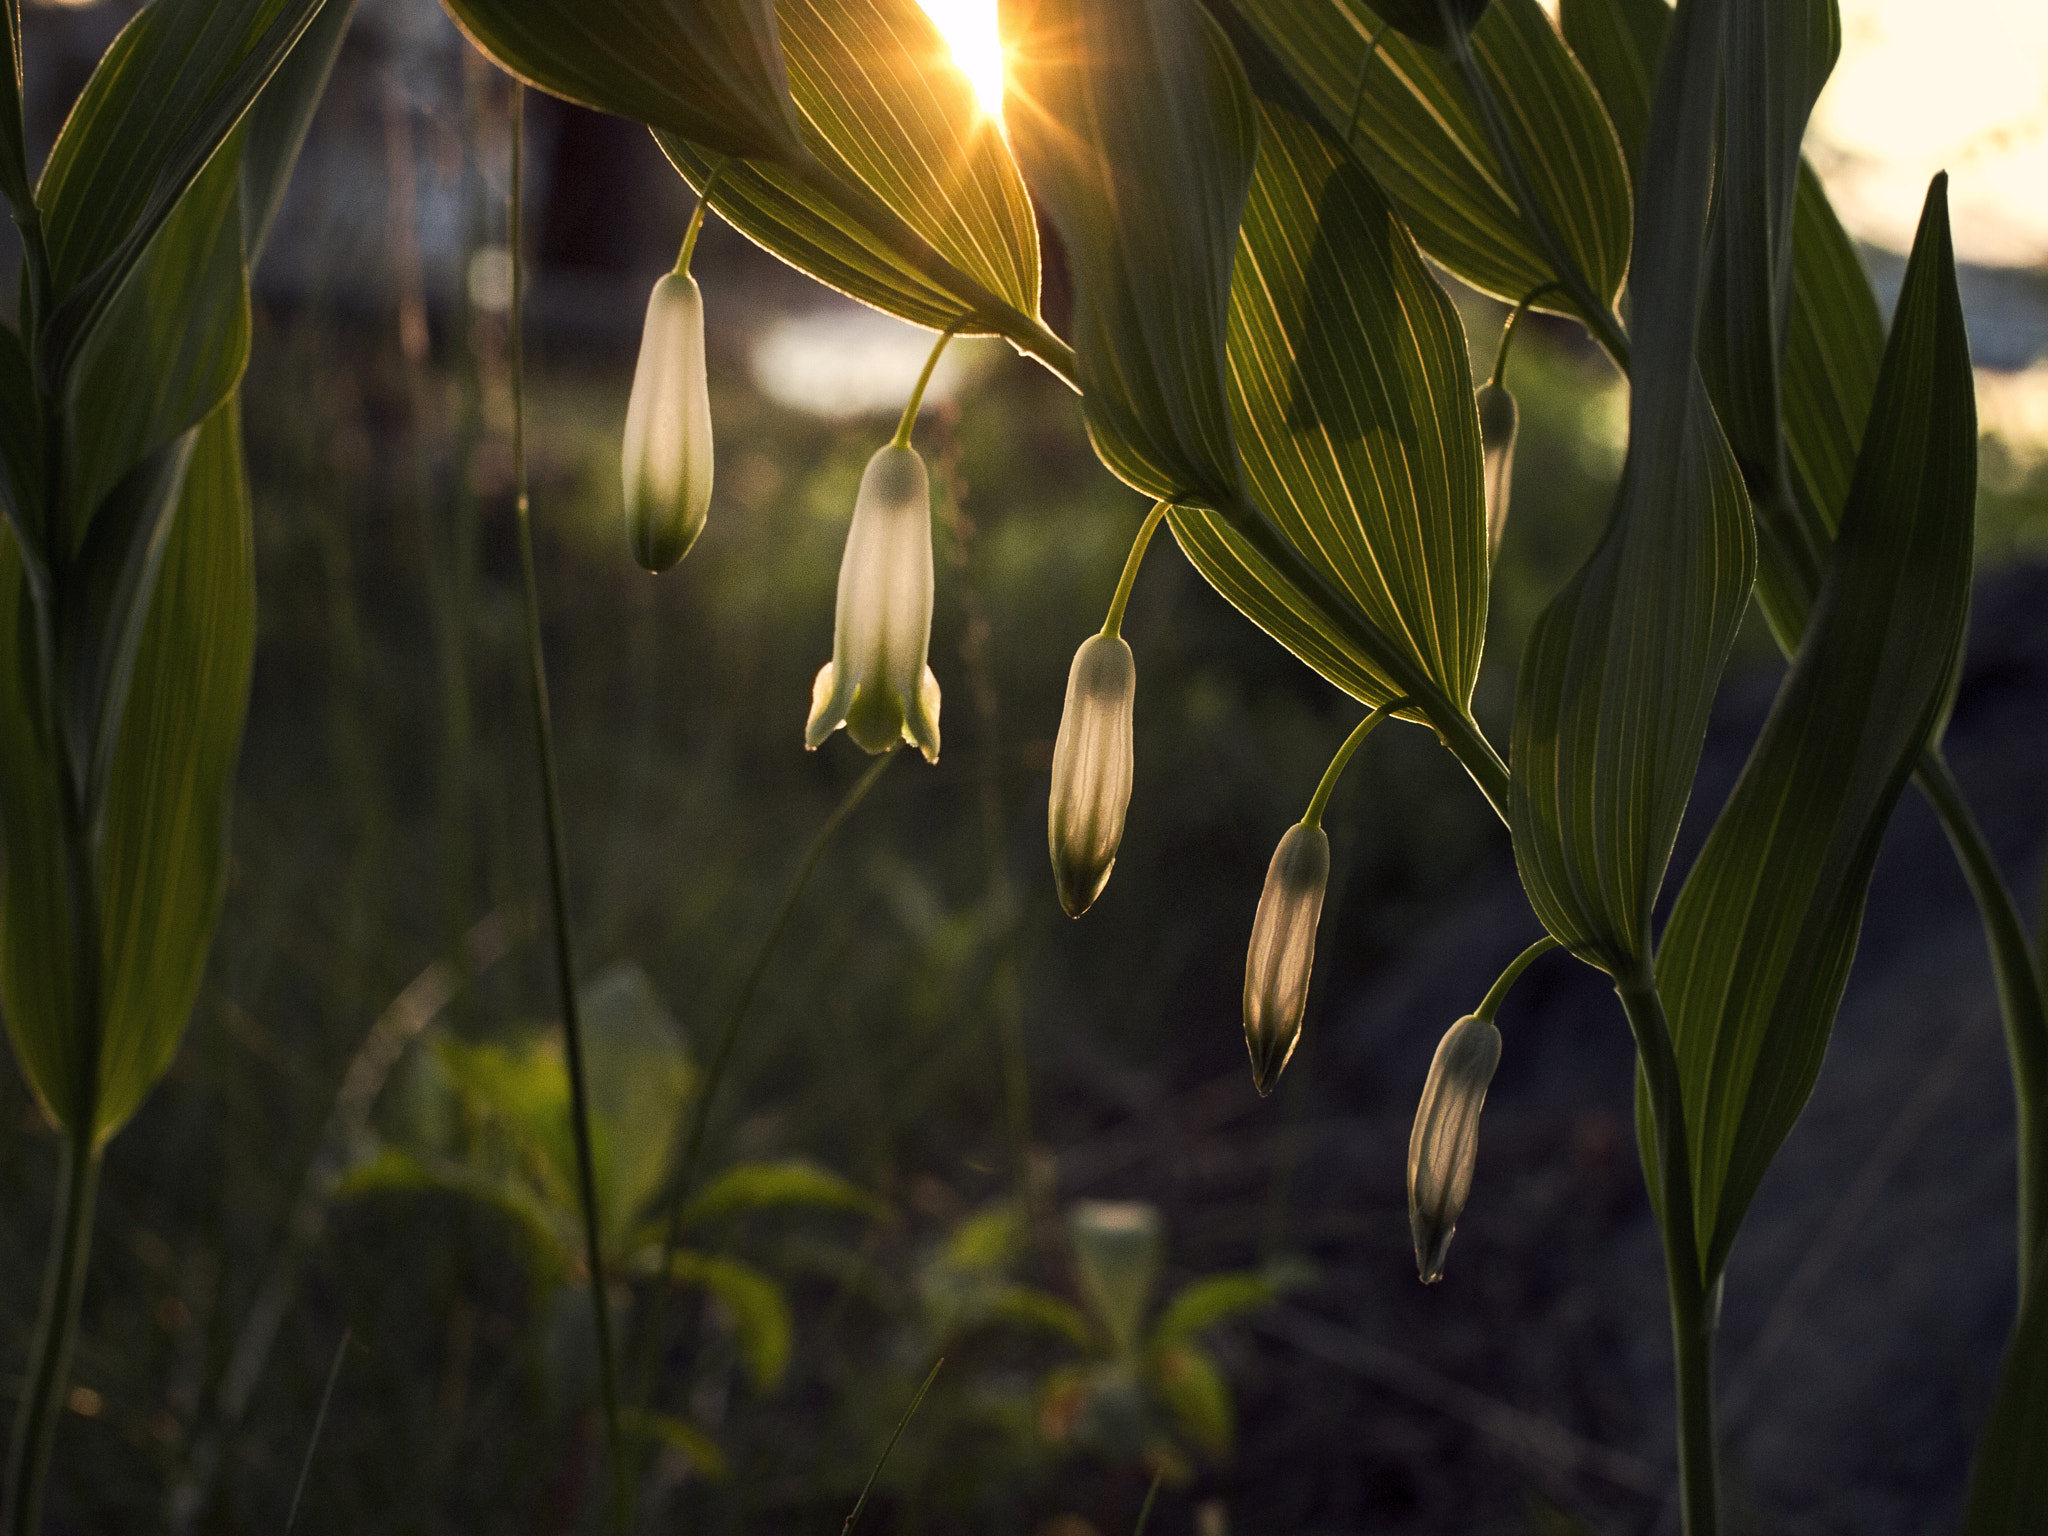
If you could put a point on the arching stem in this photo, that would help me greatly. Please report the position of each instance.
(697, 219)
(1112, 626)
(1497, 993)
(910, 408)
(1507, 332)
(1321, 800)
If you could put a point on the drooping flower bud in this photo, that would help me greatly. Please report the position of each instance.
(1283, 950)
(1499, 419)
(1091, 770)
(1444, 1146)
(877, 684)
(666, 462)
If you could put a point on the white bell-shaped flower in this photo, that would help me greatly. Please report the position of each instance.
(1091, 770)
(1283, 950)
(666, 461)
(877, 684)
(1444, 1146)
(1499, 420)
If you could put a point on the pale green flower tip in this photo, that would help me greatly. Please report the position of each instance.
(1499, 419)
(1091, 771)
(1118, 1245)
(666, 453)
(874, 717)
(1281, 958)
(1443, 1148)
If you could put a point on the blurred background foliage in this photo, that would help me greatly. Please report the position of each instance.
(963, 1060)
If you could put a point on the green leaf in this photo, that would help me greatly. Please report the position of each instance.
(709, 70)
(36, 977)
(554, 1240)
(678, 1435)
(764, 1186)
(277, 124)
(639, 1078)
(1188, 1380)
(1759, 944)
(756, 1305)
(911, 202)
(14, 180)
(1202, 1304)
(1833, 348)
(1620, 669)
(1780, 53)
(21, 445)
(2009, 1482)
(1137, 134)
(164, 862)
(161, 104)
(1351, 396)
(1831, 340)
(1421, 134)
(1039, 1309)
(1619, 42)
(168, 348)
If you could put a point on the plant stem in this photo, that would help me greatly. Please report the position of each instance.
(319, 1423)
(714, 1076)
(1597, 317)
(1112, 626)
(697, 219)
(35, 1426)
(1507, 332)
(902, 437)
(1694, 1302)
(2020, 1001)
(1152, 1493)
(901, 1424)
(557, 851)
(1497, 993)
(1320, 801)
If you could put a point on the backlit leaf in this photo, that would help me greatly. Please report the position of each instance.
(1779, 55)
(1352, 399)
(1620, 669)
(1203, 1304)
(1619, 43)
(1137, 134)
(1420, 133)
(1758, 948)
(912, 202)
(157, 110)
(709, 70)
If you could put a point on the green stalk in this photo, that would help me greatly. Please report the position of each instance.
(721, 1056)
(1597, 317)
(1694, 1303)
(35, 1426)
(689, 249)
(558, 879)
(901, 1424)
(1112, 626)
(910, 407)
(1327, 785)
(1507, 332)
(1497, 993)
(2019, 996)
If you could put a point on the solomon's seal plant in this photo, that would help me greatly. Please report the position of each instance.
(1249, 195)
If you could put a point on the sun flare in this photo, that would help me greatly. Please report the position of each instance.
(969, 27)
